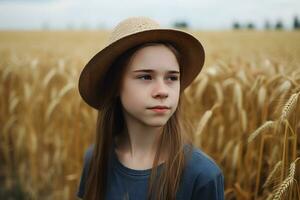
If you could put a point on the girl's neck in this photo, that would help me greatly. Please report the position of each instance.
(139, 159)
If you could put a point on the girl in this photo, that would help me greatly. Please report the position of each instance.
(141, 150)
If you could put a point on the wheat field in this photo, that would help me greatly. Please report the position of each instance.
(244, 109)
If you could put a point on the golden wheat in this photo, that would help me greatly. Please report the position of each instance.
(287, 183)
(272, 174)
(203, 121)
(267, 125)
(46, 127)
(289, 106)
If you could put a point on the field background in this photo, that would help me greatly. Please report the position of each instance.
(243, 106)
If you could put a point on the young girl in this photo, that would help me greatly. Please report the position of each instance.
(141, 149)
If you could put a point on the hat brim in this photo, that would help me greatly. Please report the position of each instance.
(191, 51)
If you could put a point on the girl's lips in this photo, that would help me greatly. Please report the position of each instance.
(160, 107)
(159, 110)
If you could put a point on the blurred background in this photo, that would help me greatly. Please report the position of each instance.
(243, 107)
(203, 14)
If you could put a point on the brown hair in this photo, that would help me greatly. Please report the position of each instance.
(110, 123)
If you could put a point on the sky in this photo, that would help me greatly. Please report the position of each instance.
(92, 14)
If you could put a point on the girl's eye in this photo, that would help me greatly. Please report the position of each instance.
(147, 77)
(173, 78)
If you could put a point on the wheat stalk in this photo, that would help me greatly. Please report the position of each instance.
(48, 77)
(261, 98)
(262, 128)
(289, 107)
(287, 183)
(201, 86)
(207, 115)
(272, 174)
(238, 96)
(27, 91)
(227, 148)
(235, 156)
(242, 75)
(9, 123)
(13, 104)
(66, 89)
(243, 119)
(258, 81)
(220, 96)
(286, 85)
(6, 73)
(51, 108)
(228, 82)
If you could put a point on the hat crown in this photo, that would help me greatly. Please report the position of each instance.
(132, 25)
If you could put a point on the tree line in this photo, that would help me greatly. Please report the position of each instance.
(278, 25)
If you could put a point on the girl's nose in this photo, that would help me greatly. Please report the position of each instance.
(160, 90)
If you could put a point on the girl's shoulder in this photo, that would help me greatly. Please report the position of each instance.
(88, 155)
(200, 165)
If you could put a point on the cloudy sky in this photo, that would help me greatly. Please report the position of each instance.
(200, 14)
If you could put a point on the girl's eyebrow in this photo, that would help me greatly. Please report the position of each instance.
(150, 70)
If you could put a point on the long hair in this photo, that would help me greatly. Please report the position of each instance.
(110, 123)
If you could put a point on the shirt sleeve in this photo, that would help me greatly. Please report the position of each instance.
(212, 190)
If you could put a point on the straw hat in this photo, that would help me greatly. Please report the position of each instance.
(129, 33)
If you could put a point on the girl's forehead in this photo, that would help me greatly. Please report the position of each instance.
(154, 68)
(155, 58)
(149, 70)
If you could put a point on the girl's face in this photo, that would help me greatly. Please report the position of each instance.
(150, 79)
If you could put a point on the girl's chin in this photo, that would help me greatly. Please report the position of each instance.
(156, 123)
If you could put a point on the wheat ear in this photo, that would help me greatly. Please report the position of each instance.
(287, 183)
(262, 128)
(272, 174)
(289, 106)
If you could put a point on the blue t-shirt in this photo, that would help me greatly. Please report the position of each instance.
(202, 179)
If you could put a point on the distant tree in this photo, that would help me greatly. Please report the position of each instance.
(84, 26)
(236, 25)
(181, 24)
(250, 25)
(45, 25)
(279, 25)
(267, 25)
(101, 25)
(296, 23)
(70, 26)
